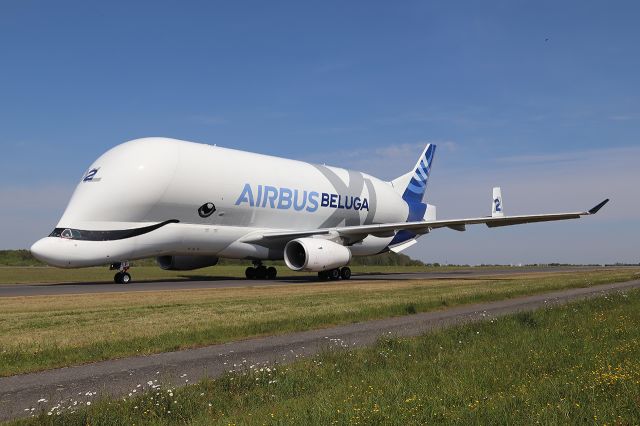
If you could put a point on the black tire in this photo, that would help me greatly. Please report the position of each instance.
(125, 278)
(261, 272)
(334, 274)
(345, 273)
(271, 273)
(117, 278)
(250, 273)
(322, 276)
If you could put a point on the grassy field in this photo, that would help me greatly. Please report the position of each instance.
(577, 364)
(41, 332)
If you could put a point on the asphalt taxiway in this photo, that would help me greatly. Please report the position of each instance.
(43, 289)
(28, 394)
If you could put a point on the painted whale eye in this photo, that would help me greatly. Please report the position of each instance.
(206, 209)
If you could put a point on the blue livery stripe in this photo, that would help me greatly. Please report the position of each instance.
(414, 192)
(416, 189)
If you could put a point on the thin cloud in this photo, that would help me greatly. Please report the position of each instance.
(32, 213)
(471, 117)
(329, 67)
(534, 186)
(602, 154)
(211, 120)
(385, 162)
(625, 117)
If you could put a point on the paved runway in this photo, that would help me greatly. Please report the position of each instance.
(27, 394)
(37, 289)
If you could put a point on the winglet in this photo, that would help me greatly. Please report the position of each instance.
(496, 203)
(595, 209)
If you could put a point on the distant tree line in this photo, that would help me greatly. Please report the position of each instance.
(24, 258)
(18, 258)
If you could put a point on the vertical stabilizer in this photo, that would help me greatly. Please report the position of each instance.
(413, 185)
(496, 203)
(419, 177)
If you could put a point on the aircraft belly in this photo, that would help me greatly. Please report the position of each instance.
(188, 239)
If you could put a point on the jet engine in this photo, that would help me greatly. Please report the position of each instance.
(185, 263)
(315, 254)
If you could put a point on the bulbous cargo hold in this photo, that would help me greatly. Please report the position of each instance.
(187, 203)
(152, 180)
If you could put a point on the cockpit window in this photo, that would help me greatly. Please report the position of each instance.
(66, 233)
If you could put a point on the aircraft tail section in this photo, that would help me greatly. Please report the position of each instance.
(413, 185)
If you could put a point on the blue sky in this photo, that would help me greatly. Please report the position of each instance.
(536, 96)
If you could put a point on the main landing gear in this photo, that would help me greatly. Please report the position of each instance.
(122, 276)
(335, 274)
(260, 272)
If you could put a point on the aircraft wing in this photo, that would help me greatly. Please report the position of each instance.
(356, 233)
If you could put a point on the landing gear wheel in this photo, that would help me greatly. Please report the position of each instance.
(345, 273)
(334, 274)
(122, 278)
(271, 273)
(250, 273)
(261, 272)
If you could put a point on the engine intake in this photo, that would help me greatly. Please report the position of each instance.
(315, 254)
(185, 263)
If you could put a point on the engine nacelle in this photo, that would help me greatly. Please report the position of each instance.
(185, 263)
(315, 254)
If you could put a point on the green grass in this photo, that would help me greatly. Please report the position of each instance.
(577, 364)
(43, 332)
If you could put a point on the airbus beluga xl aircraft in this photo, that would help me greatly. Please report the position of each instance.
(189, 204)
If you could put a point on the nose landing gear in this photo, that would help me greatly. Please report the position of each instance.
(122, 276)
(260, 272)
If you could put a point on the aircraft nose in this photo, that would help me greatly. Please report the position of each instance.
(46, 250)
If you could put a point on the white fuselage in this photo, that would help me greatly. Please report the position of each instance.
(144, 182)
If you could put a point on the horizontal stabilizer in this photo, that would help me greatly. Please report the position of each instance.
(403, 246)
